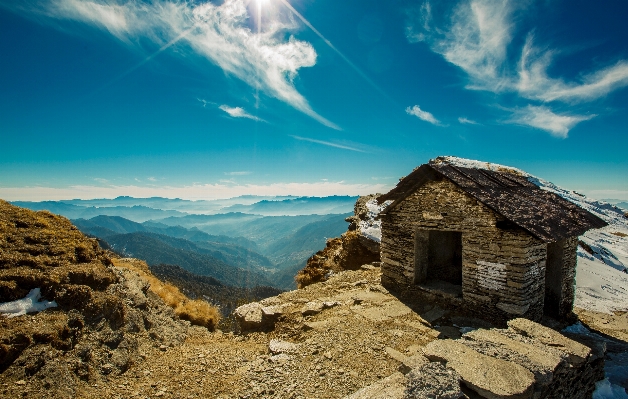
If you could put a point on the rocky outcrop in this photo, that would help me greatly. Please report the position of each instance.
(104, 318)
(358, 246)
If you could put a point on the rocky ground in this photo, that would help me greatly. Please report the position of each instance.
(330, 340)
(326, 353)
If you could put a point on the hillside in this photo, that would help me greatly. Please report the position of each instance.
(286, 256)
(156, 249)
(223, 248)
(301, 244)
(87, 321)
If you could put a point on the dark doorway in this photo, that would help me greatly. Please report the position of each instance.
(554, 278)
(438, 256)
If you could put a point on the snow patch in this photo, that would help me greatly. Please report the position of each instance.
(370, 227)
(29, 304)
(605, 390)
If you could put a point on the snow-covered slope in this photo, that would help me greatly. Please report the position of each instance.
(371, 227)
(602, 272)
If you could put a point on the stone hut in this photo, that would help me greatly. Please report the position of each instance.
(485, 237)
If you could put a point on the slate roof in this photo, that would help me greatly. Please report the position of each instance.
(545, 215)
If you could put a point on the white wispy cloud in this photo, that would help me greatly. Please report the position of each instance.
(227, 189)
(328, 143)
(238, 173)
(423, 115)
(238, 112)
(112, 17)
(478, 38)
(467, 121)
(267, 60)
(534, 82)
(205, 102)
(541, 117)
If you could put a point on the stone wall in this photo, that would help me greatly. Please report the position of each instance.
(503, 269)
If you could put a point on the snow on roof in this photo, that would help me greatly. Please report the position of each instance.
(471, 163)
(611, 214)
(512, 193)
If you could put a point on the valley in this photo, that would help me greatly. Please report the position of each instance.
(241, 242)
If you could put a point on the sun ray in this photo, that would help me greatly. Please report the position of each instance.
(351, 64)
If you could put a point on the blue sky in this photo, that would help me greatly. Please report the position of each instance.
(195, 99)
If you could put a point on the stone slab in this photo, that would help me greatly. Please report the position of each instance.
(396, 309)
(433, 314)
(492, 378)
(536, 354)
(576, 352)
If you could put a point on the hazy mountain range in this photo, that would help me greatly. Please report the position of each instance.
(143, 209)
(252, 241)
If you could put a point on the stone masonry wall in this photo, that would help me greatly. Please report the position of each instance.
(503, 270)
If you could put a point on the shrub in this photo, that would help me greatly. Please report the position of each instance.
(198, 312)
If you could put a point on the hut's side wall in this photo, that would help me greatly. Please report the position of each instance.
(569, 278)
(503, 271)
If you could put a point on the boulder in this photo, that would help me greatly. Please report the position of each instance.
(249, 316)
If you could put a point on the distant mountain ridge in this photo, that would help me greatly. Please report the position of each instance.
(137, 213)
(143, 209)
(298, 206)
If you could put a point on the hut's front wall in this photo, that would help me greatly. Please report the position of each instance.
(503, 270)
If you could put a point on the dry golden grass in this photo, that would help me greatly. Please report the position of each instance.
(196, 311)
(42, 240)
